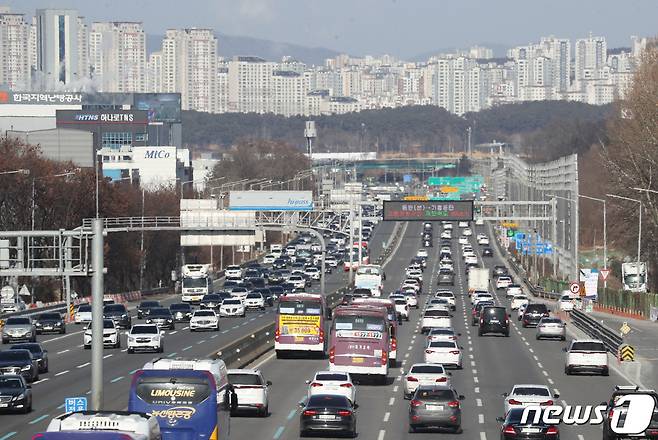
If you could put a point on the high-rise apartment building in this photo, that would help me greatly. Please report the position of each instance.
(590, 57)
(250, 87)
(558, 50)
(117, 52)
(154, 73)
(57, 48)
(189, 67)
(84, 68)
(15, 67)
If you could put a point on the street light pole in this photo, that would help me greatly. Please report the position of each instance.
(605, 233)
(639, 229)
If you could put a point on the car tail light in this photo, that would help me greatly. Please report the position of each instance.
(547, 403)
(332, 355)
(321, 335)
(384, 357)
(514, 402)
(552, 430)
(394, 344)
(411, 379)
(442, 379)
(277, 335)
(509, 429)
(346, 385)
(310, 412)
(454, 404)
(344, 413)
(454, 352)
(416, 403)
(316, 384)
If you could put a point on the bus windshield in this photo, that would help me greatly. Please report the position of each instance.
(193, 283)
(184, 402)
(300, 308)
(360, 323)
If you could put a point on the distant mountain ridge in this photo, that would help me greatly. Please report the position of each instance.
(230, 46)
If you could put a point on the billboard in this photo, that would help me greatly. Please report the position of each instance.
(457, 210)
(75, 117)
(271, 200)
(42, 98)
(160, 107)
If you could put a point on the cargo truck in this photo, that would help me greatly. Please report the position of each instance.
(478, 279)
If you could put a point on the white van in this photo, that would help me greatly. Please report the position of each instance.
(132, 425)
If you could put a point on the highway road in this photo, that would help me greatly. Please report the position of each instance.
(492, 365)
(70, 372)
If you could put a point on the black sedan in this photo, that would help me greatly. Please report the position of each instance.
(49, 323)
(119, 314)
(512, 427)
(145, 307)
(487, 252)
(181, 312)
(211, 301)
(161, 317)
(19, 362)
(38, 353)
(15, 394)
(328, 413)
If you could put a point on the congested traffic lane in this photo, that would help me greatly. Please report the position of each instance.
(70, 368)
(492, 365)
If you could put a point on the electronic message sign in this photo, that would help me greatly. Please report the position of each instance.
(430, 210)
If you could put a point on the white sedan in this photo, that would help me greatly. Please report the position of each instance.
(444, 353)
(446, 235)
(463, 240)
(513, 290)
(517, 301)
(503, 282)
(424, 374)
(467, 232)
(442, 334)
(412, 300)
(232, 307)
(448, 296)
(401, 307)
(269, 258)
(483, 241)
(566, 303)
(422, 253)
(332, 382)
(204, 320)
(527, 395)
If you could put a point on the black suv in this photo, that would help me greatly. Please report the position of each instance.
(533, 314)
(650, 433)
(49, 322)
(145, 307)
(494, 320)
(499, 270)
(475, 311)
(119, 314)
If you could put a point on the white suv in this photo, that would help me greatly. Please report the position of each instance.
(204, 320)
(586, 355)
(110, 335)
(252, 390)
(233, 272)
(145, 337)
(254, 301)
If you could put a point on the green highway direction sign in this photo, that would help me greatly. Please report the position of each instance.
(464, 184)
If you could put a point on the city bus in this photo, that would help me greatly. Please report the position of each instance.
(360, 341)
(391, 315)
(301, 324)
(184, 402)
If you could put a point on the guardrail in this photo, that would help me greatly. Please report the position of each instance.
(596, 330)
(388, 250)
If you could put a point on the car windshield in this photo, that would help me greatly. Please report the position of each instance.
(514, 417)
(434, 394)
(254, 296)
(84, 308)
(107, 323)
(328, 401)
(17, 321)
(588, 346)
(536, 308)
(441, 331)
(231, 302)
(530, 391)
(50, 316)
(32, 348)
(427, 369)
(10, 383)
(204, 313)
(144, 329)
(212, 297)
(15, 355)
(551, 321)
(192, 283)
(244, 379)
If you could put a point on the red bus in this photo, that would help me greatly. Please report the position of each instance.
(360, 341)
(301, 324)
(391, 315)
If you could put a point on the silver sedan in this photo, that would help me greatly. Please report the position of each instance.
(550, 327)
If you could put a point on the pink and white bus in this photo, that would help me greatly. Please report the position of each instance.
(391, 315)
(360, 338)
(301, 324)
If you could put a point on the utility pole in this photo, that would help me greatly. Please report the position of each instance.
(469, 130)
(97, 315)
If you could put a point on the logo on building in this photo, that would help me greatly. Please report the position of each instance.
(86, 117)
(156, 154)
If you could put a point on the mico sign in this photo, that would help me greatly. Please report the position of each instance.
(156, 154)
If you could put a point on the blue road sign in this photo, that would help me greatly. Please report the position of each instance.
(406, 178)
(519, 235)
(73, 404)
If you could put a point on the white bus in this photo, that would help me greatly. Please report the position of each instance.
(104, 424)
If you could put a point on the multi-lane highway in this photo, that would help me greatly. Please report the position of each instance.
(491, 366)
(70, 372)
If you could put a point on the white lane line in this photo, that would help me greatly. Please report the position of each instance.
(391, 401)
(540, 365)
(124, 350)
(381, 435)
(406, 355)
(39, 381)
(480, 418)
(580, 437)
(186, 328)
(475, 372)
(395, 388)
(63, 351)
(531, 350)
(556, 391)
(386, 416)
(544, 373)
(476, 390)
(470, 356)
(550, 381)
(174, 332)
(83, 365)
(478, 402)
(483, 435)
(473, 364)
(475, 379)
(564, 402)
(107, 356)
(61, 373)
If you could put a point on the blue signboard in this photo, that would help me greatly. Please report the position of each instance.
(73, 404)
(406, 178)
(519, 235)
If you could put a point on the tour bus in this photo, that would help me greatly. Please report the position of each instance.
(370, 276)
(102, 425)
(184, 402)
(301, 324)
(197, 282)
(360, 341)
(391, 315)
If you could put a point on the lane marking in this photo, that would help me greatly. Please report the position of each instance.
(478, 402)
(8, 435)
(291, 414)
(395, 389)
(170, 355)
(186, 328)
(391, 401)
(544, 373)
(480, 418)
(278, 432)
(38, 419)
(483, 435)
(174, 332)
(386, 416)
(83, 365)
(39, 381)
(381, 435)
(63, 351)
(476, 389)
(107, 356)
(475, 379)
(61, 373)
(116, 379)
(550, 381)
(201, 342)
(187, 348)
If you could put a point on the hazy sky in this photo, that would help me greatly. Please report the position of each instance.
(399, 27)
